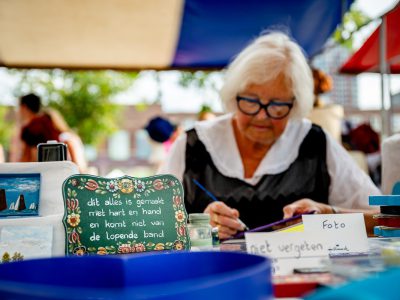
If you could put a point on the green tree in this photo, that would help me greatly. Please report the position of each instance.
(17, 256)
(6, 127)
(353, 21)
(200, 79)
(6, 258)
(207, 84)
(84, 98)
(205, 108)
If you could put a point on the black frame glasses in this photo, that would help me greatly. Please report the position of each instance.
(269, 108)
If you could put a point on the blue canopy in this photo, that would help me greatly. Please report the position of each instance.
(214, 31)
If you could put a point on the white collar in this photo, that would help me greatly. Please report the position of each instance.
(218, 137)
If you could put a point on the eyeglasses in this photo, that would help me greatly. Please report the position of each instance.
(274, 109)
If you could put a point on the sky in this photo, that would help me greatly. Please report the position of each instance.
(15, 185)
(176, 99)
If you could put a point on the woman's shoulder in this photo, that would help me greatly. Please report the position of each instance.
(70, 138)
(65, 136)
(218, 139)
(213, 128)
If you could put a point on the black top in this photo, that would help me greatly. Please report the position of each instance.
(306, 177)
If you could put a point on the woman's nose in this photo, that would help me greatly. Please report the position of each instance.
(262, 114)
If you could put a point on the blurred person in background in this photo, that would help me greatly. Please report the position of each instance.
(35, 127)
(205, 113)
(162, 134)
(327, 115)
(2, 156)
(363, 138)
(39, 130)
(42, 125)
(76, 150)
(29, 108)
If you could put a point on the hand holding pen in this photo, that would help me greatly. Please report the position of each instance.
(225, 218)
(222, 216)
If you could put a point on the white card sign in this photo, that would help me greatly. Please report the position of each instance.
(345, 232)
(26, 242)
(288, 250)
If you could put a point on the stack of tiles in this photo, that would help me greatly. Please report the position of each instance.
(389, 217)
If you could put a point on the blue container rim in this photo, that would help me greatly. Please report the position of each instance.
(262, 264)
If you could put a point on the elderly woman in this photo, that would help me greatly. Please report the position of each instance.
(265, 161)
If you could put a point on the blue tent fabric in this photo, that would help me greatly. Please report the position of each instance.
(212, 32)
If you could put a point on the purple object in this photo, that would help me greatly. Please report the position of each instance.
(271, 225)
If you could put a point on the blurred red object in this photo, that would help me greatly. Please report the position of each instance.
(298, 285)
(365, 139)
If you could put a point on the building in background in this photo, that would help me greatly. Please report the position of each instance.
(396, 116)
(345, 90)
(345, 87)
(129, 149)
(396, 100)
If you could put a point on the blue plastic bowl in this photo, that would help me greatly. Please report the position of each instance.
(177, 275)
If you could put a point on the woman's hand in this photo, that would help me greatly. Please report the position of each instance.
(306, 205)
(225, 218)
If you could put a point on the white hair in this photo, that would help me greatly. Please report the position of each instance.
(265, 59)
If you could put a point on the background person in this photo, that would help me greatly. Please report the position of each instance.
(35, 127)
(76, 150)
(39, 130)
(364, 139)
(40, 126)
(2, 156)
(327, 115)
(264, 159)
(162, 134)
(29, 108)
(205, 113)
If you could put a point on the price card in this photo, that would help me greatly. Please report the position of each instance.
(346, 233)
(289, 250)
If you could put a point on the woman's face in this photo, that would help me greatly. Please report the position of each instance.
(260, 128)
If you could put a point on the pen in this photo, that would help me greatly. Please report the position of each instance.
(245, 227)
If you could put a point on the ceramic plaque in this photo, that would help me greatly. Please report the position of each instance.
(124, 215)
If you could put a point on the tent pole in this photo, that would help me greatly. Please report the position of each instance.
(383, 71)
(390, 95)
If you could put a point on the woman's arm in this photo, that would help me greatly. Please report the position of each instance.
(307, 205)
(76, 150)
(349, 190)
(26, 154)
